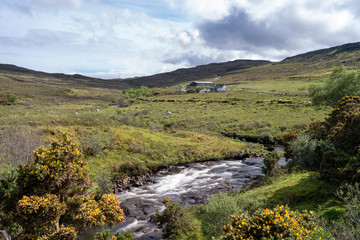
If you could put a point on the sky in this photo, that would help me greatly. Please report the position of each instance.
(128, 38)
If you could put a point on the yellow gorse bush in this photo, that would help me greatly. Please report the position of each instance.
(56, 200)
(277, 223)
(59, 168)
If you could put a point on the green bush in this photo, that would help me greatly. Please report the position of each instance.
(54, 190)
(339, 167)
(342, 83)
(306, 153)
(342, 127)
(277, 223)
(106, 235)
(11, 98)
(271, 162)
(141, 92)
(8, 99)
(174, 220)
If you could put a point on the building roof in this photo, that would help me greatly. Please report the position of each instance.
(203, 82)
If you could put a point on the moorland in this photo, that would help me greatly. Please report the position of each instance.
(134, 127)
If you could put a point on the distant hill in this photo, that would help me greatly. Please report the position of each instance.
(29, 76)
(309, 66)
(196, 73)
(347, 54)
(306, 65)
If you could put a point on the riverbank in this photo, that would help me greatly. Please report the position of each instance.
(190, 185)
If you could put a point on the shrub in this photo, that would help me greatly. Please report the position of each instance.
(286, 139)
(342, 127)
(217, 211)
(11, 98)
(174, 220)
(339, 167)
(106, 235)
(277, 223)
(123, 102)
(342, 83)
(8, 99)
(141, 92)
(39, 215)
(306, 153)
(271, 162)
(59, 169)
(56, 189)
(64, 233)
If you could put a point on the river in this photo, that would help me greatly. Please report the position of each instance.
(191, 184)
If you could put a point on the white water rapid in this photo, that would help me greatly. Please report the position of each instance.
(192, 184)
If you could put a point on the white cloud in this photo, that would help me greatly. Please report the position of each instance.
(60, 3)
(138, 37)
(274, 29)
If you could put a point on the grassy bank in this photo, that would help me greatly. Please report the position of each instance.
(299, 191)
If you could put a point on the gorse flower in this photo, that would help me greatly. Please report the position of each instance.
(277, 223)
(55, 190)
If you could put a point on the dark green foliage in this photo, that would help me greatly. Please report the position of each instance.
(8, 190)
(11, 98)
(346, 134)
(125, 236)
(342, 83)
(306, 153)
(340, 162)
(141, 92)
(271, 162)
(8, 99)
(342, 127)
(286, 139)
(174, 220)
(339, 167)
(9, 195)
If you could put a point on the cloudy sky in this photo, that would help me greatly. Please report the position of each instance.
(127, 38)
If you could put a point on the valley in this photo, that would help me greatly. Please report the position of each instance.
(146, 135)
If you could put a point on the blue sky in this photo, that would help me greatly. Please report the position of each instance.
(127, 38)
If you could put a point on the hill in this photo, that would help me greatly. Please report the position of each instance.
(307, 65)
(196, 73)
(347, 54)
(28, 76)
(311, 66)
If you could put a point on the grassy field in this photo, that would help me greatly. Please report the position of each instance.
(264, 100)
(258, 110)
(149, 133)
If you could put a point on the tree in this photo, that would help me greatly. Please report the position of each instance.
(54, 198)
(342, 83)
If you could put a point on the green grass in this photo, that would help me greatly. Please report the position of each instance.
(299, 191)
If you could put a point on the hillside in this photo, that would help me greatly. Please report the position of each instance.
(347, 54)
(185, 75)
(27, 76)
(308, 67)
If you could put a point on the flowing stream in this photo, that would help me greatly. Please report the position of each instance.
(191, 184)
